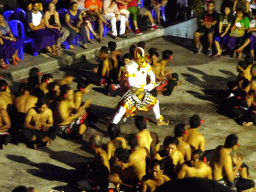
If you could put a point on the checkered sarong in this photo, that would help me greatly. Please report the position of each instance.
(132, 103)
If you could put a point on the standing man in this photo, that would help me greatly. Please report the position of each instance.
(207, 21)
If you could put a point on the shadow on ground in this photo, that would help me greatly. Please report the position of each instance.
(213, 86)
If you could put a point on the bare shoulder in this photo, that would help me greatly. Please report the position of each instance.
(31, 111)
(179, 154)
(166, 178)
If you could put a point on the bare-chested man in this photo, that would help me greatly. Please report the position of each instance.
(82, 89)
(183, 147)
(38, 125)
(5, 97)
(23, 103)
(107, 70)
(52, 97)
(155, 178)
(46, 79)
(101, 157)
(66, 116)
(115, 55)
(195, 139)
(67, 80)
(115, 140)
(144, 137)
(5, 124)
(123, 173)
(196, 167)
(166, 81)
(138, 156)
(223, 166)
(171, 157)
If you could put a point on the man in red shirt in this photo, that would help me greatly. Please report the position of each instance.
(95, 9)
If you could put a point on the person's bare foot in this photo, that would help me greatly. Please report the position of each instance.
(247, 124)
(71, 47)
(160, 123)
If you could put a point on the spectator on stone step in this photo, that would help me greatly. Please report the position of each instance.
(42, 37)
(237, 33)
(221, 38)
(8, 43)
(135, 10)
(73, 21)
(52, 22)
(207, 21)
(95, 11)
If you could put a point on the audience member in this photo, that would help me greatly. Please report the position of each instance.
(135, 10)
(95, 10)
(52, 22)
(157, 5)
(122, 7)
(225, 22)
(73, 21)
(207, 21)
(237, 32)
(242, 4)
(42, 37)
(9, 44)
(112, 14)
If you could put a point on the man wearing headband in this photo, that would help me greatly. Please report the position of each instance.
(195, 139)
(225, 167)
(38, 125)
(46, 79)
(5, 96)
(70, 119)
(137, 97)
(166, 80)
(183, 147)
(196, 167)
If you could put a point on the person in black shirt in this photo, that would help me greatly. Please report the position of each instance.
(225, 22)
(208, 21)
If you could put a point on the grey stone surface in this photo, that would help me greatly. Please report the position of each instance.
(203, 79)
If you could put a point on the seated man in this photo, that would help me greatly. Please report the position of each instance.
(155, 178)
(52, 96)
(223, 169)
(195, 139)
(208, 20)
(67, 116)
(144, 137)
(96, 173)
(5, 124)
(112, 13)
(67, 80)
(138, 156)
(115, 55)
(82, 89)
(24, 102)
(183, 147)
(5, 97)
(195, 167)
(115, 140)
(38, 125)
(166, 81)
(171, 157)
(95, 10)
(157, 5)
(123, 173)
(46, 79)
